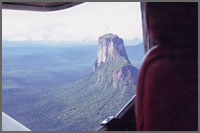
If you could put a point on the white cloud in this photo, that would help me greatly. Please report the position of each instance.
(17, 38)
(86, 21)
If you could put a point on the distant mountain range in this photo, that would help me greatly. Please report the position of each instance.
(6, 43)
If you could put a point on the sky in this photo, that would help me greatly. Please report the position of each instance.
(84, 22)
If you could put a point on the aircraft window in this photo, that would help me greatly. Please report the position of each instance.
(57, 76)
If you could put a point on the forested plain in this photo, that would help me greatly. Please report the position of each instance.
(54, 88)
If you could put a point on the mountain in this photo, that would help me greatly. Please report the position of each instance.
(112, 62)
(88, 101)
(85, 103)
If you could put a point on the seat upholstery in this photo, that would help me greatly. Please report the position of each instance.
(167, 88)
(167, 91)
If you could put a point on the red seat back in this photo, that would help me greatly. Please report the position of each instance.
(167, 91)
(167, 88)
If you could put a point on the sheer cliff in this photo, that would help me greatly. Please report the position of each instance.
(112, 63)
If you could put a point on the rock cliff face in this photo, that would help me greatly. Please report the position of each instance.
(112, 63)
(110, 47)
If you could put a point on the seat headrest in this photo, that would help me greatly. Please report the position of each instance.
(173, 24)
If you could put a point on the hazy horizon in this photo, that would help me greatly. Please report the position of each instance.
(6, 43)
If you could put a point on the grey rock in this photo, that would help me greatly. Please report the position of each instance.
(113, 57)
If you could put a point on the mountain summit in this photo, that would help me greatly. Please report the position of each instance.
(110, 47)
(112, 64)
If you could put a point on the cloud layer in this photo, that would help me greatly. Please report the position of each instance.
(85, 22)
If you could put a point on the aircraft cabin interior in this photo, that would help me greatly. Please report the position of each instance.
(167, 89)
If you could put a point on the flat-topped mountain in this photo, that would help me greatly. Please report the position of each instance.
(112, 62)
(110, 47)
